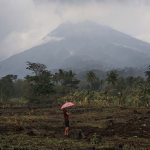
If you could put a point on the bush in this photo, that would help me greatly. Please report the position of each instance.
(18, 101)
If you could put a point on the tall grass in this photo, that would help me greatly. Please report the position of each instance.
(97, 99)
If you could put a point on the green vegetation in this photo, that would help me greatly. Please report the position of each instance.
(110, 88)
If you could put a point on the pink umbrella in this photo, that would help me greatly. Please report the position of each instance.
(67, 104)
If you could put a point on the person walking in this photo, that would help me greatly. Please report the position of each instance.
(66, 118)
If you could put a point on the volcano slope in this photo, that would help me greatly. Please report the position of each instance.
(81, 47)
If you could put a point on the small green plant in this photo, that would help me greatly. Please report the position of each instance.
(126, 147)
(95, 140)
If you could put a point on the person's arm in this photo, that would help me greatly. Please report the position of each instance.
(68, 113)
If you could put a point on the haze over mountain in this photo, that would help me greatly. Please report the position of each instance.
(81, 46)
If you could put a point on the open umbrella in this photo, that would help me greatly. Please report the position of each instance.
(67, 104)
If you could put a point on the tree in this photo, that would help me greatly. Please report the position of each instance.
(70, 80)
(121, 83)
(112, 78)
(23, 89)
(55, 78)
(147, 73)
(101, 82)
(91, 78)
(7, 89)
(130, 82)
(18, 85)
(37, 68)
(42, 81)
(61, 76)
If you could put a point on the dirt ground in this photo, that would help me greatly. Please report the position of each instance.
(42, 128)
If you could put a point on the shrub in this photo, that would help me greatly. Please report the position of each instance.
(18, 101)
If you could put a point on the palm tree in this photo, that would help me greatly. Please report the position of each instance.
(91, 78)
(130, 82)
(61, 75)
(112, 78)
(70, 80)
(55, 78)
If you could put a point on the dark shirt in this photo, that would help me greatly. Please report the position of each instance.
(66, 117)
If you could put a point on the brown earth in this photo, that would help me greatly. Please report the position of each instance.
(42, 128)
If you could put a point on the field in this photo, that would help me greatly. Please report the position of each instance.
(103, 128)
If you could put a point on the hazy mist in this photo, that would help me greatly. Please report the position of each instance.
(23, 23)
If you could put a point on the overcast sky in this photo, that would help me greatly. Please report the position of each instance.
(23, 23)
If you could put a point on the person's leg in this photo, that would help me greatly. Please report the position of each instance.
(67, 127)
(66, 124)
(67, 130)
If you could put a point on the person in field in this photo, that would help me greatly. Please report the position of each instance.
(66, 118)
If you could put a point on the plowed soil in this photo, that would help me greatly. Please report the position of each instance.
(42, 128)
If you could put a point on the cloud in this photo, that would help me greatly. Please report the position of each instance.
(50, 39)
(23, 23)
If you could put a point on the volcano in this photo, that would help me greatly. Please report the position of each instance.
(81, 46)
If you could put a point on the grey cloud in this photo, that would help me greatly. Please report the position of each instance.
(79, 2)
(13, 17)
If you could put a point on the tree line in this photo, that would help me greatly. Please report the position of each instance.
(44, 87)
